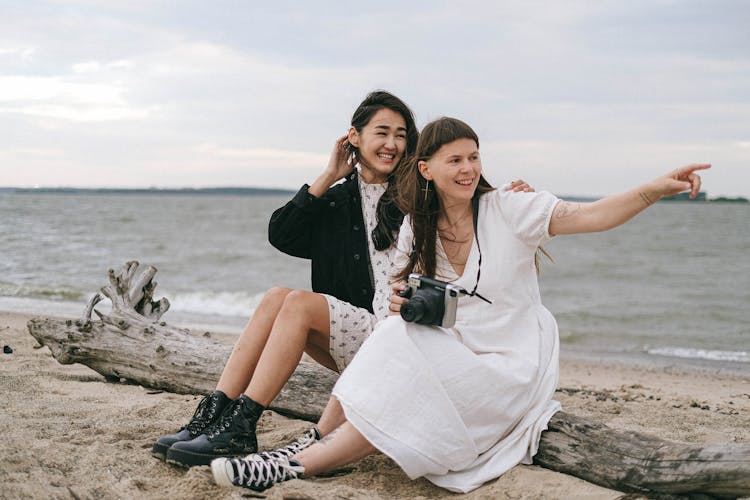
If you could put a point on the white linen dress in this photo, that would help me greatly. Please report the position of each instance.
(461, 406)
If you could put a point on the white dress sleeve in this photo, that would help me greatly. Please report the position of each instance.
(527, 214)
(402, 252)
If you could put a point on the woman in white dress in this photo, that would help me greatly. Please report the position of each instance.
(464, 404)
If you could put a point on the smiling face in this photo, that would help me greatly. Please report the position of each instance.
(381, 144)
(454, 169)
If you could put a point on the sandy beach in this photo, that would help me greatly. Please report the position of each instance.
(69, 434)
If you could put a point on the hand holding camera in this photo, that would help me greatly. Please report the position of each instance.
(397, 298)
(430, 301)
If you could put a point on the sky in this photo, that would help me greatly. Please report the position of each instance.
(576, 97)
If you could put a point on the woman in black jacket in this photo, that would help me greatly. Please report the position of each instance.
(325, 224)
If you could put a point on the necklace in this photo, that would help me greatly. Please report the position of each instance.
(450, 232)
(451, 225)
(454, 237)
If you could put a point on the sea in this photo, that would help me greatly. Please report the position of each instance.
(670, 288)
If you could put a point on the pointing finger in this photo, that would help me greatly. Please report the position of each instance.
(692, 168)
(695, 180)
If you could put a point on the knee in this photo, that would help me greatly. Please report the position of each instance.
(276, 295)
(267, 309)
(299, 301)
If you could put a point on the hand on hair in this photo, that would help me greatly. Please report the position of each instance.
(339, 165)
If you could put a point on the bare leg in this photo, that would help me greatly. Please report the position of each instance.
(332, 417)
(342, 446)
(321, 353)
(248, 348)
(303, 318)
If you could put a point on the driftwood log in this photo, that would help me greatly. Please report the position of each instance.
(132, 344)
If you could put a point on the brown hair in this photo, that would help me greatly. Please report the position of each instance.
(389, 216)
(421, 202)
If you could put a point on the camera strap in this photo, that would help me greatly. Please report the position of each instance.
(475, 216)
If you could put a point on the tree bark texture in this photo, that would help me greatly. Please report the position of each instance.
(131, 343)
(640, 463)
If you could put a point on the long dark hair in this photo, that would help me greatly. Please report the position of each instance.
(421, 202)
(389, 216)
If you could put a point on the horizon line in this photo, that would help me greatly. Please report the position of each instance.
(702, 196)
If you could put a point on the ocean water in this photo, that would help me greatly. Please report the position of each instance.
(670, 287)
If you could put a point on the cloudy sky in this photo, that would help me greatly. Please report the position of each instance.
(578, 97)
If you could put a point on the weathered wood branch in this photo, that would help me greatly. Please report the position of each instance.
(130, 343)
(639, 463)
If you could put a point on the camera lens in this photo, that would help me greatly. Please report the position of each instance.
(416, 309)
(412, 312)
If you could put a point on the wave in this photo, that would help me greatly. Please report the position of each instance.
(233, 308)
(709, 354)
(40, 292)
(234, 304)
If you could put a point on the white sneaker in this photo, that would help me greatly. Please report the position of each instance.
(254, 471)
(304, 441)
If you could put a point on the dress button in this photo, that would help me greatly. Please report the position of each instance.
(356, 256)
(332, 204)
(364, 291)
(355, 227)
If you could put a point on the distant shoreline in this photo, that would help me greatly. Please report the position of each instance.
(255, 191)
(683, 198)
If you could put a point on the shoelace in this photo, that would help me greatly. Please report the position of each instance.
(292, 448)
(226, 419)
(202, 415)
(254, 471)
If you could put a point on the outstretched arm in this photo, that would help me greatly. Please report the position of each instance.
(611, 211)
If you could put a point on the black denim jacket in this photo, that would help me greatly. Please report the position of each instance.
(330, 231)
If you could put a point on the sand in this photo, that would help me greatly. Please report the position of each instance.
(69, 434)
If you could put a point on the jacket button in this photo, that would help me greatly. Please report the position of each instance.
(332, 204)
(355, 227)
(356, 256)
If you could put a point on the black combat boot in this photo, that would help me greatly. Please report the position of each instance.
(208, 411)
(232, 435)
